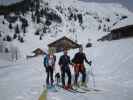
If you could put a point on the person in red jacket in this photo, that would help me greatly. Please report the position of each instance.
(79, 67)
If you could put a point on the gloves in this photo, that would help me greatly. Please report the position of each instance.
(90, 63)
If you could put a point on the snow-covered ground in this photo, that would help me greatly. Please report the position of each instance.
(112, 61)
(112, 67)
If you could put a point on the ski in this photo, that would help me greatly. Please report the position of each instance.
(86, 89)
(79, 90)
(43, 95)
(72, 90)
(90, 89)
(52, 88)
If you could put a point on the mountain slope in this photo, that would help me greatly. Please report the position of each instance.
(51, 19)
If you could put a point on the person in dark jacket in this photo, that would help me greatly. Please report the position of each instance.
(49, 63)
(79, 67)
(64, 63)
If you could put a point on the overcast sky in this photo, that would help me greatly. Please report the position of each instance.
(127, 3)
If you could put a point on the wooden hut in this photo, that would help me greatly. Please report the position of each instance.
(38, 51)
(119, 33)
(62, 43)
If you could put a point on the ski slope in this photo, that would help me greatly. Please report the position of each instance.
(94, 15)
(112, 67)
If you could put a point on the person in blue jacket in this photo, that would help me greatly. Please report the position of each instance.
(49, 64)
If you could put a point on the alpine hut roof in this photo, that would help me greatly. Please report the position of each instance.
(63, 42)
(119, 33)
(38, 51)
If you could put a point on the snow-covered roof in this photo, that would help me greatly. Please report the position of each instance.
(123, 23)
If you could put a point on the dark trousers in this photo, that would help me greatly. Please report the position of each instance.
(79, 68)
(49, 71)
(65, 70)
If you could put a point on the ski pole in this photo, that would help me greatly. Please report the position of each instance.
(93, 78)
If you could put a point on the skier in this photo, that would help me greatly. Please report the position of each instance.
(49, 64)
(78, 63)
(64, 63)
